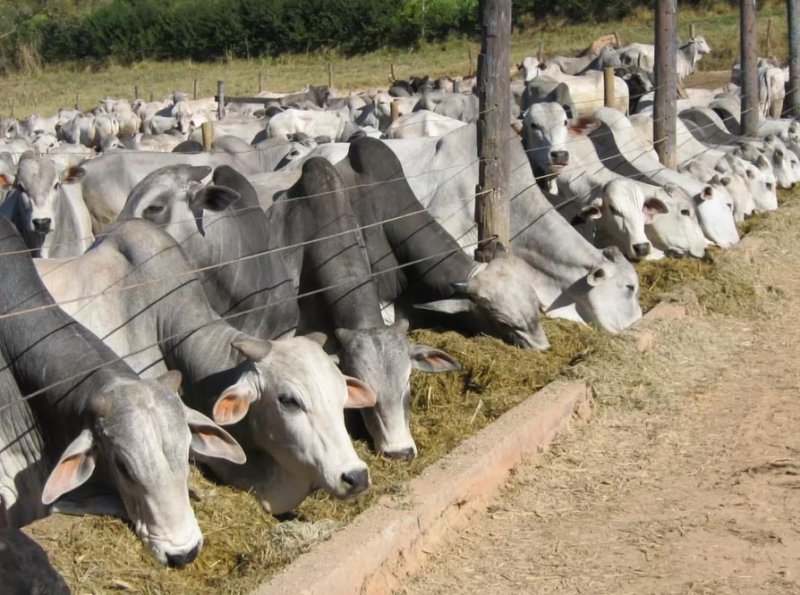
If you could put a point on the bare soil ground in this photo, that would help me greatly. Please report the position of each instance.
(689, 483)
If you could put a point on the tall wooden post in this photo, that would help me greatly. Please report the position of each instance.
(609, 98)
(260, 82)
(136, 93)
(207, 130)
(749, 64)
(666, 94)
(194, 89)
(220, 99)
(768, 51)
(492, 209)
(793, 14)
(330, 75)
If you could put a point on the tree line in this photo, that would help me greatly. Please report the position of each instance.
(53, 31)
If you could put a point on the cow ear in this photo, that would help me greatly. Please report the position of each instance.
(253, 349)
(594, 210)
(73, 469)
(172, 380)
(213, 198)
(72, 175)
(449, 306)
(233, 404)
(653, 207)
(359, 394)
(318, 337)
(429, 359)
(596, 277)
(705, 194)
(6, 181)
(209, 440)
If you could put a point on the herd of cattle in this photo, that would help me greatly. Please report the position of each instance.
(157, 293)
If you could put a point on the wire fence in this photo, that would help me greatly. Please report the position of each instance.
(458, 169)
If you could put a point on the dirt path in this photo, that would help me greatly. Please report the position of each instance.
(689, 484)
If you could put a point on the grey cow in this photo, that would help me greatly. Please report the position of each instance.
(97, 414)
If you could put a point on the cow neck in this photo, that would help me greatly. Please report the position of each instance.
(258, 290)
(413, 237)
(339, 262)
(46, 349)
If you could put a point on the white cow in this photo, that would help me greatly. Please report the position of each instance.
(644, 56)
(47, 208)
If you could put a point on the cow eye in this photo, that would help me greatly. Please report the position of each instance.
(289, 402)
(685, 212)
(769, 185)
(631, 288)
(614, 211)
(154, 210)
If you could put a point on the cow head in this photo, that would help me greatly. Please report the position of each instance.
(175, 198)
(608, 295)
(383, 358)
(289, 402)
(545, 134)
(141, 435)
(622, 214)
(501, 299)
(715, 214)
(677, 232)
(32, 203)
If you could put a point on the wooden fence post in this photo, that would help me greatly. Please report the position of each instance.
(492, 208)
(666, 93)
(749, 67)
(136, 92)
(793, 15)
(207, 128)
(769, 37)
(220, 99)
(260, 82)
(194, 89)
(330, 75)
(609, 98)
(395, 110)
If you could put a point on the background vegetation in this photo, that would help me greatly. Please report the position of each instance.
(52, 31)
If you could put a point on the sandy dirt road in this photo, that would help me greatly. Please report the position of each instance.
(689, 483)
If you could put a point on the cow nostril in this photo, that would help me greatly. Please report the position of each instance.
(357, 480)
(404, 454)
(41, 225)
(641, 249)
(181, 560)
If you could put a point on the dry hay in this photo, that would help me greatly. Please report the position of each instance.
(244, 546)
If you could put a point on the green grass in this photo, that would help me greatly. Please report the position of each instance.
(61, 85)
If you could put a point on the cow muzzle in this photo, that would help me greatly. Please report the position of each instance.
(181, 560)
(559, 158)
(42, 226)
(401, 454)
(641, 250)
(355, 481)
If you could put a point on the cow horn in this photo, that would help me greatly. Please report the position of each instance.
(460, 287)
